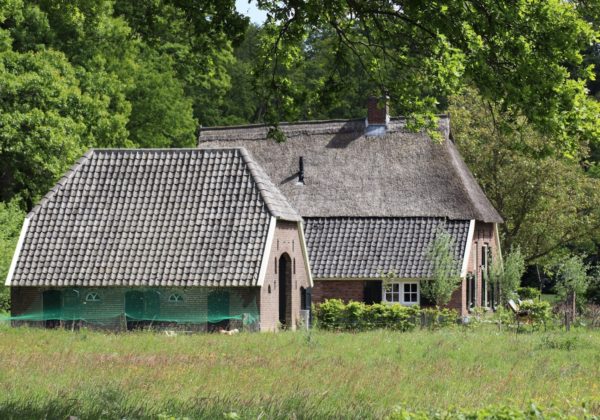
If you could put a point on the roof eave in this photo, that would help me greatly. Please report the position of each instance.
(15, 259)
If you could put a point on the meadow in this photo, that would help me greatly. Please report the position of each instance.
(56, 373)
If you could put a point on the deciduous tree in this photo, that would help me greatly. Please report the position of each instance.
(445, 269)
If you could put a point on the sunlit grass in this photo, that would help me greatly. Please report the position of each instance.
(321, 374)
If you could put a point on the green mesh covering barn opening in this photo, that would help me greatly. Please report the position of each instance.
(197, 309)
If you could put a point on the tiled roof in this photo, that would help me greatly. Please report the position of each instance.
(179, 217)
(367, 247)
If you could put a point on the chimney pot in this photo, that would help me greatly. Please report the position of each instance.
(377, 115)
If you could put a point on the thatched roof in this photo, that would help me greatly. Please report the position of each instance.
(347, 174)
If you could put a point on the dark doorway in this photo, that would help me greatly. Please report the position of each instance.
(134, 309)
(152, 306)
(52, 308)
(218, 311)
(141, 308)
(71, 309)
(285, 289)
(372, 292)
(305, 298)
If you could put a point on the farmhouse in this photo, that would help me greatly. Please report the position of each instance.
(372, 195)
(227, 234)
(135, 237)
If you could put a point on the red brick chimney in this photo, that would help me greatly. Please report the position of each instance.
(377, 114)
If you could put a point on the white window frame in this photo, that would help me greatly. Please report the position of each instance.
(401, 293)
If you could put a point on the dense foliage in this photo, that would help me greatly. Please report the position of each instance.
(11, 218)
(572, 280)
(103, 73)
(334, 314)
(445, 269)
(529, 293)
(548, 196)
(507, 273)
(528, 56)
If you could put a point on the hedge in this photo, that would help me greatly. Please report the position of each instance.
(334, 314)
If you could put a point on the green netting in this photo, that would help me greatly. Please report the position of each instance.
(134, 308)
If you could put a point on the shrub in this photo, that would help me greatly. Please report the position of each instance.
(333, 314)
(538, 312)
(507, 274)
(529, 293)
(329, 314)
(434, 318)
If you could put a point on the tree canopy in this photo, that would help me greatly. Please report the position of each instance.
(103, 73)
(527, 56)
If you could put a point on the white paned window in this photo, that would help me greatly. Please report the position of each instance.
(392, 294)
(411, 293)
(405, 293)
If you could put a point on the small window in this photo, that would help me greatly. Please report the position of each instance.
(392, 295)
(403, 293)
(411, 293)
(92, 297)
(294, 266)
(269, 288)
(275, 265)
(175, 298)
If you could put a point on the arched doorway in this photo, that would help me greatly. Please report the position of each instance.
(285, 290)
(52, 308)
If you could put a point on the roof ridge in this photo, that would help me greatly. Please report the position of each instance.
(161, 149)
(304, 122)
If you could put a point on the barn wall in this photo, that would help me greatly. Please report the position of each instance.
(285, 240)
(108, 312)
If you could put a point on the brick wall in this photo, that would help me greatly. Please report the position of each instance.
(285, 241)
(338, 289)
(484, 233)
(458, 299)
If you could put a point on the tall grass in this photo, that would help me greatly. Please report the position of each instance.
(91, 374)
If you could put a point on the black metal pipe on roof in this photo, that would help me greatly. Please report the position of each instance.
(301, 170)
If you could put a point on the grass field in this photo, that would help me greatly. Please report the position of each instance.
(57, 373)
